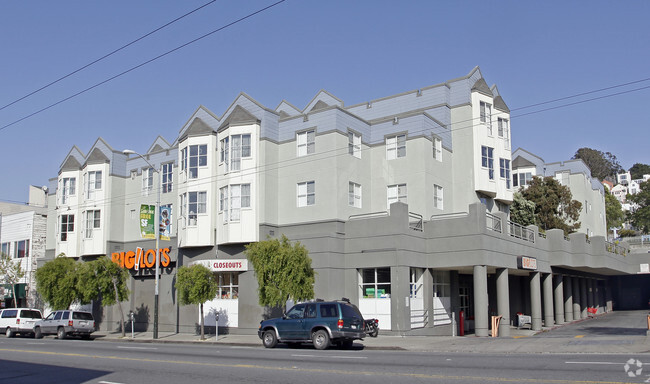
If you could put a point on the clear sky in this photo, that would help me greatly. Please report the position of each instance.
(356, 50)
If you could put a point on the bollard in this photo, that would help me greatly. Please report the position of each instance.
(461, 323)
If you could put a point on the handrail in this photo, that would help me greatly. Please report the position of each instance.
(493, 222)
(368, 215)
(417, 224)
(520, 232)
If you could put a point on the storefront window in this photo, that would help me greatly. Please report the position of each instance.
(375, 282)
(228, 285)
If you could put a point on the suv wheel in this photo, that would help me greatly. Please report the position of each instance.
(269, 339)
(60, 333)
(10, 333)
(320, 339)
(37, 333)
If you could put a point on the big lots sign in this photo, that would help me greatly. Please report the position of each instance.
(141, 258)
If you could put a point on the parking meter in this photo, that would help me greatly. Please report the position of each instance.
(132, 320)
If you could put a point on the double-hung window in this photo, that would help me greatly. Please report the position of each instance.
(486, 116)
(504, 171)
(306, 142)
(306, 193)
(503, 127)
(198, 157)
(354, 195)
(4, 248)
(167, 177)
(395, 147)
(93, 220)
(437, 196)
(22, 249)
(437, 149)
(233, 149)
(354, 144)
(147, 181)
(223, 202)
(66, 226)
(68, 188)
(395, 193)
(93, 183)
(522, 179)
(228, 283)
(487, 160)
(196, 204)
(240, 197)
(375, 282)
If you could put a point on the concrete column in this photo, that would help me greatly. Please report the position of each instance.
(454, 287)
(427, 293)
(577, 298)
(609, 300)
(400, 299)
(558, 296)
(481, 320)
(568, 299)
(503, 301)
(583, 298)
(535, 301)
(547, 285)
(590, 293)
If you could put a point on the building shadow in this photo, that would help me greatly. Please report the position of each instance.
(30, 373)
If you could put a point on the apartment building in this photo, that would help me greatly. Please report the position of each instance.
(571, 173)
(401, 201)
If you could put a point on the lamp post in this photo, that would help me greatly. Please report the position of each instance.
(156, 231)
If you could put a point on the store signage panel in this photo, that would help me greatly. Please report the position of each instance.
(525, 262)
(222, 265)
(141, 259)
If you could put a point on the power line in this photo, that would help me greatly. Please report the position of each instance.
(142, 64)
(105, 56)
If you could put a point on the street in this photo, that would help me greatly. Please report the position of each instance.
(25, 360)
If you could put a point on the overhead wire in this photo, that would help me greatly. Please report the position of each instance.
(142, 64)
(105, 56)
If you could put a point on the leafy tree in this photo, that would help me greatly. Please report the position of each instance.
(11, 273)
(103, 279)
(613, 211)
(283, 271)
(522, 211)
(627, 233)
(196, 285)
(638, 170)
(554, 204)
(640, 218)
(56, 282)
(602, 164)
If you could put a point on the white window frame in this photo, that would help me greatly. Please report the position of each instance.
(147, 181)
(93, 183)
(306, 142)
(374, 283)
(68, 188)
(65, 228)
(198, 200)
(17, 246)
(354, 144)
(167, 174)
(197, 154)
(228, 290)
(504, 171)
(354, 194)
(395, 193)
(486, 116)
(303, 194)
(503, 127)
(437, 148)
(438, 196)
(487, 160)
(395, 147)
(92, 222)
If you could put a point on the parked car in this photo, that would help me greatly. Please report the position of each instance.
(66, 323)
(19, 321)
(321, 322)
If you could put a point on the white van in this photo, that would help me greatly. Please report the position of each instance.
(19, 320)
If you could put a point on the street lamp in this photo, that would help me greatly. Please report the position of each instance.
(156, 220)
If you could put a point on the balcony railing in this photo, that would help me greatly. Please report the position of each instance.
(520, 232)
(415, 222)
(493, 222)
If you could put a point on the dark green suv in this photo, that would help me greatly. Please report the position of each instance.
(320, 322)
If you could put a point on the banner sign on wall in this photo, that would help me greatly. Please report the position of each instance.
(146, 221)
(224, 265)
(165, 222)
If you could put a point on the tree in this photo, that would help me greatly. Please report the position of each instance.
(196, 285)
(638, 170)
(554, 206)
(103, 279)
(283, 271)
(640, 218)
(602, 165)
(522, 211)
(613, 211)
(56, 282)
(11, 272)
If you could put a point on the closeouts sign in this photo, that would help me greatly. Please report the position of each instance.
(221, 265)
(141, 258)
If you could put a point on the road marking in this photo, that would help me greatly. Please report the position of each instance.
(383, 375)
(150, 348)
(579, 336)
(332, 357)
(108, 382)
(593, 362)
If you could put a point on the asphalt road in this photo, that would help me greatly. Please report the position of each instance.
(26, 360)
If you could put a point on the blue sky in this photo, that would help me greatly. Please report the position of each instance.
(356, 50)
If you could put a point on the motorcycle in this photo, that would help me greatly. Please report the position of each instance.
(371, 326)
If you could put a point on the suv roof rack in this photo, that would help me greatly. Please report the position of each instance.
(345, 299)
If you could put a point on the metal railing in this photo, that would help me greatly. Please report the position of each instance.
(368, 215)
(419, 318)
(415, 222)
(520, 232)
(493, 222)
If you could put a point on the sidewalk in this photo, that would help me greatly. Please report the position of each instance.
(549, 340)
